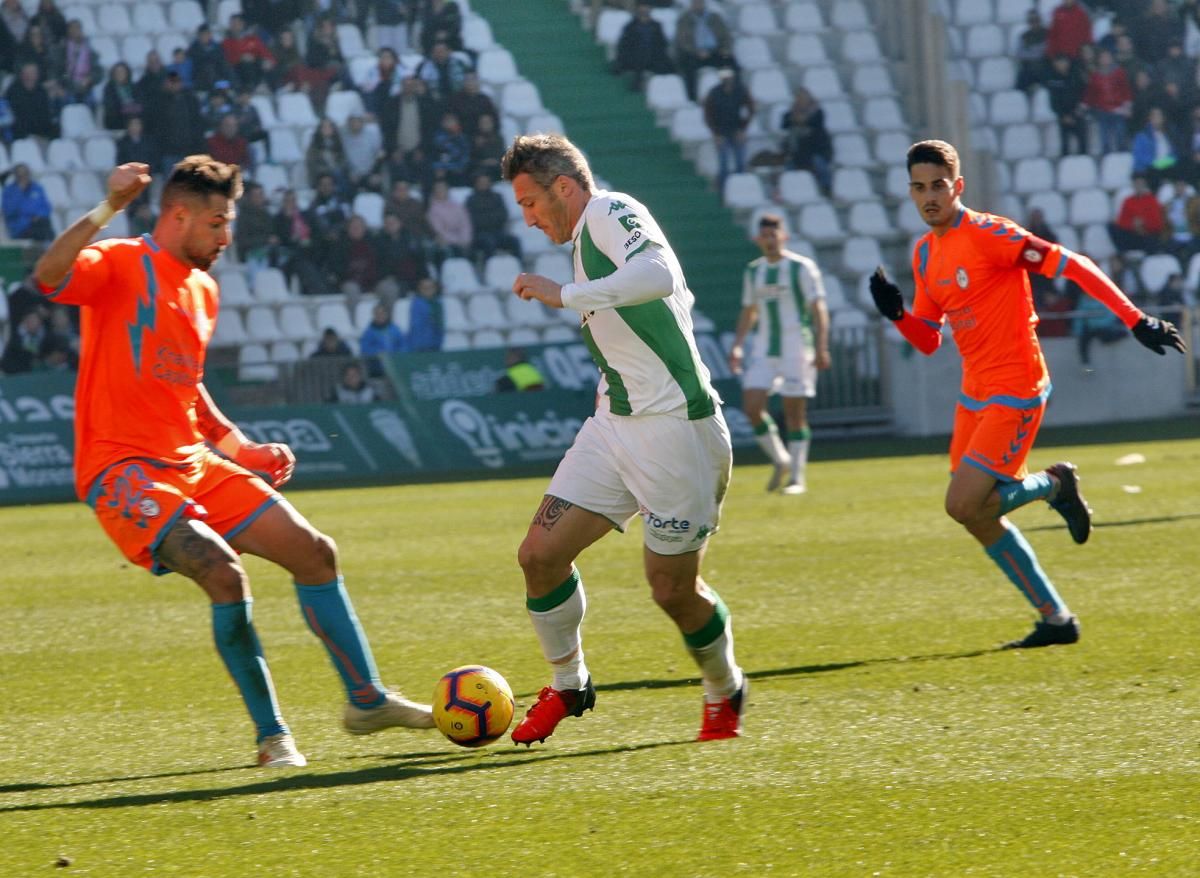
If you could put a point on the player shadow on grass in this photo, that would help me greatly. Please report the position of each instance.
(424, 765)
(798, 670)
(1128, 522)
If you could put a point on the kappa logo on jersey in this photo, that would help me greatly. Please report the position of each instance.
(614, 206)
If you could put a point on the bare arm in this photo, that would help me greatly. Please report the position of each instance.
(272, 461)
(820, 319)
(125, 183)
(746, 320)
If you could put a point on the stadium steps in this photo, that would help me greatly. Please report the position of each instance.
(618, 134)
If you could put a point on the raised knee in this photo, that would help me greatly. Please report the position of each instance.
(533, 556)
(965, 512)
(325, 550)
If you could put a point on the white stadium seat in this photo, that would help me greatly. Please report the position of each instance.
(341, 105)
(852, 184)
(1020, 142)
(234, 289)
(823, 82)
(295, 322)
(270, 286)
(804, 50)
(1156, 270)
(254, 364)
(186, 16)
(150, 20)
(819, 223)
(230, 331)
(850, 15)
(995, 74)
(797, 188)
(1008, 107)
(500, 270)
(800, 17)
(64, 155)
(77, 121)
(769, 86)
(757, 19)
(458, 276)
(1032, 175)
(261, 324)
(973, 12)
(665, 94)
(337, 316)
(743, 191)
(1115, 170)
(861, 47)
(869, 218)
(1052, 205)
(861, 254)
(985, 41)
(295, 108)
(752, 53)
(1096, 242)
(872, 80)
(1088, 206)
(1077, 172)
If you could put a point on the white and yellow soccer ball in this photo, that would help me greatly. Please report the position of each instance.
(472, 705)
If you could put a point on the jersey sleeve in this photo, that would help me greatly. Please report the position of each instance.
(1009, 244)
(89, 276)
(619, 232)
(925, 307)
(810, 280)
(748, 286)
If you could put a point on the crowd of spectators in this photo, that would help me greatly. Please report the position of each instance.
(426, 142)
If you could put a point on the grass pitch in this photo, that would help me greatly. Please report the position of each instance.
(885, 734)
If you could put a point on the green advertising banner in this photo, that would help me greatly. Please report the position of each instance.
(447, 422)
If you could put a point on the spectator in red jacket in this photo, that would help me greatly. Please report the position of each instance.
(247, 55)
(227, 145)
(1141, 223)
(1070, 29)
(1109, 97)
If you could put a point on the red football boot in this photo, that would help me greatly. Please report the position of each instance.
(724, 719)
(551, 707)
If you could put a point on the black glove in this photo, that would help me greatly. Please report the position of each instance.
(1154, 333)
(886, 295)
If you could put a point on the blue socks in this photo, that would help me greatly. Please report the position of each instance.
(1016, 494)
(238, 646)
(330, 615)
(1013, 554)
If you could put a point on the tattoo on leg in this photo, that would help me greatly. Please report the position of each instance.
(551, 510)
(188, 552)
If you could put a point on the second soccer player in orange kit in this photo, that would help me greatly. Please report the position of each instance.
(971, 269)
(173, 482)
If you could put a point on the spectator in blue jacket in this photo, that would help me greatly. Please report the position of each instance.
(381, 336)
(1153, 149)
(426, 327)
(26, 207)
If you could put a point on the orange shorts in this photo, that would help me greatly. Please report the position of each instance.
(996, 439)
(137, 501)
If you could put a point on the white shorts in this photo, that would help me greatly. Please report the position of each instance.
(671, 471)
(793, 374)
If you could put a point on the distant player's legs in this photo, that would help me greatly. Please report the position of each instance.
(975, 501)
(766, 434)
(282, 535)
(192, 548)
(795, 414)
(556, 603)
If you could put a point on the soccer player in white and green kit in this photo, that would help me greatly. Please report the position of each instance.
(657, 445)
(783, 300)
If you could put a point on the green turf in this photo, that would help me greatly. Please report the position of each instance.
(885, 735)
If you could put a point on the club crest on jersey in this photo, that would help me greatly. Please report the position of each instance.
(149, 507)
(1032, 255)
(961, 278)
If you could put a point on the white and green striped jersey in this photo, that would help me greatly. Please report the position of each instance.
(636, 309)
(783, 292)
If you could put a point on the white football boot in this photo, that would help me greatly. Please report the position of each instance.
(279, 751)
(395, 711)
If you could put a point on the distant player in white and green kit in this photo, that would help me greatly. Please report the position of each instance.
(783, 299)
(657, 445)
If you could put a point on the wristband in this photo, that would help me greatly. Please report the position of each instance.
(101, 214)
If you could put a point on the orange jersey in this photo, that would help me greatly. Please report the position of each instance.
(146, 320)
(975, 276)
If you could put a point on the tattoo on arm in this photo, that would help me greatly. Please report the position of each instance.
(551, 510)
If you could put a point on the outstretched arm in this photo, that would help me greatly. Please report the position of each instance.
(273, 461)
(890, 304)
(125, 183)
(1153, 332)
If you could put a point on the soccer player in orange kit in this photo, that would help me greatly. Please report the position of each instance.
(971, 269)
(173, 482)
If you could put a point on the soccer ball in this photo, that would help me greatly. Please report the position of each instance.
(472, 705)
